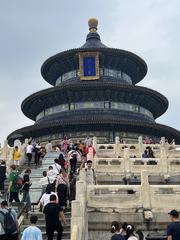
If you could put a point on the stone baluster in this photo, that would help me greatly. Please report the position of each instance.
(140, 145)
(163, 141)
(145, 190)
(90, 154)
(116, 148)
(23, 151)
(81, 195)
(76, 217)
(95, 143)
(164, 159)
(5, 151)
(126, 159)
(82, 175)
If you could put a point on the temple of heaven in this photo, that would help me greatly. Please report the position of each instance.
(94, 93)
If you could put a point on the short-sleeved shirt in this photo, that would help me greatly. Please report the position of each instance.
(56, 168)
(12, 178)
(51, 211)
(44, 181)
(132, 238)
(29, 149)
(117, 237)
(45, 198)
(5, 210)
(173, 229)
(90, 176)
(26, 185)
(32, 233)
(52, 175)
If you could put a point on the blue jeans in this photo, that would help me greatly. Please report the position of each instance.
(26, 198)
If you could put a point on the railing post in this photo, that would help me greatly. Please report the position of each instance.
(163, 141)
(140, 145)
(126, 159)
(82, 175)
(116, 148)
(76, 217)
(81, 195)
(95, 143)
(163, 159)
(5, 151)
(145, 190)
(90, 154)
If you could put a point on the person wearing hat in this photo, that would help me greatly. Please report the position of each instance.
(173, 228)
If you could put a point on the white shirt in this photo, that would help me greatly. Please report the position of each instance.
(132, 238)
(56, 168)
(45, 198)
(44, 181)
(51, 175)
(90, 176)
(29, 148)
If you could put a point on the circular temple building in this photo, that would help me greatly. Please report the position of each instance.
(94, 93)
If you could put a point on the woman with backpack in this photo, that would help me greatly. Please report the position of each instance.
(62, 188)
(25, 189)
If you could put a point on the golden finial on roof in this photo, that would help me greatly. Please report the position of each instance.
(93, 22)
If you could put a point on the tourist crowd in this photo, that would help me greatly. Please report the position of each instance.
(57, 183)
(57, 190)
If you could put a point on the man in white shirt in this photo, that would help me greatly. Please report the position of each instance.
(29, 150)
(90, 174)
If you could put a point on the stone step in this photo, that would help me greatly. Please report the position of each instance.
(41, 221)
(43, 227)
(41, 215)
(66, 235)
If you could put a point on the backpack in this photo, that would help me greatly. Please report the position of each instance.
(9, 222)
(93, 172)
(18, 182)
(74, 154)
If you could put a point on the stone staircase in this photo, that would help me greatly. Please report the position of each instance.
(41, 224)
(35, 194)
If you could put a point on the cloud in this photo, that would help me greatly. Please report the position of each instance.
(32, 31)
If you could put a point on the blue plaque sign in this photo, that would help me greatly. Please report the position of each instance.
(89, 66)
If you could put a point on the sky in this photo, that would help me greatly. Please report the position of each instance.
(32, 31)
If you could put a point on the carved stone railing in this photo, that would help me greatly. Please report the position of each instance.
(79, 215)
(114, 197)
(133, 197)
(135, 150)
(6, 152)
(127, 158)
